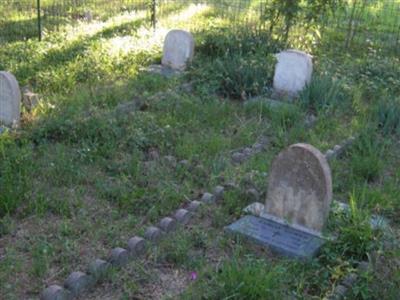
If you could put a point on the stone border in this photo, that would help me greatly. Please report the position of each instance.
(340, 149)
(78, 283)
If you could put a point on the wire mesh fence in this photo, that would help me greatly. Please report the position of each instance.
(355, 24)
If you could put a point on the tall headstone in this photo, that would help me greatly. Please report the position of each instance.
(300, 187)
(178, 49)
(292, 72)
(10, 99)
(297, 205)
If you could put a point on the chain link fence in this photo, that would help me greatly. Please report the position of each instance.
(357, 23)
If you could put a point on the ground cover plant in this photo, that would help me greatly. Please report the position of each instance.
(91, 165)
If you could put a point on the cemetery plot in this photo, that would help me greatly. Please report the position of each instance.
(119, 184)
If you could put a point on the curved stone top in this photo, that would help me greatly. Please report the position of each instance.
(178, 49)
(292, 72)
(300, 187)
(10, 99)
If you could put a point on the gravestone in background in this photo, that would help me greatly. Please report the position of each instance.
(10, 99)
(178, 49)
(292, 72)
(297, 205)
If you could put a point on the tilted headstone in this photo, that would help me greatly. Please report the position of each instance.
(178, 49)
(297, 205)
(10, 99)
(292, 72)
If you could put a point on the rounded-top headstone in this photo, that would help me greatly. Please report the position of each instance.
(10, 99)
(292, 72)
(178, 49)
(300, 187)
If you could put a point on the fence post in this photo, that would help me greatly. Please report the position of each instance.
(39, 21)
(153, 14)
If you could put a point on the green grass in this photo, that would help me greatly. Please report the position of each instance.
(76, 179)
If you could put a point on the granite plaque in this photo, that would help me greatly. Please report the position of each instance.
(281, 238)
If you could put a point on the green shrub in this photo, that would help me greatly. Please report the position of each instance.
(243, 77)
(322, 92)
(365, 157)
(248, 279)
(388, 116)
(15, 164)
(235, 65)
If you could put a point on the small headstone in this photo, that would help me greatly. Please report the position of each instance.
(10, 99)
(137, 246)
(208, 198)
(56, 292)
(119, 257)
(292, 72)
(297, 205)
(153, 234)
(167, 224)
(193, 206)
(219, 192)
(78, 282)
(98, 268)
(182, 216)
(178, 49)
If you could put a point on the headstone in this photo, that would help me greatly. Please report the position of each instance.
(10, 99)
(292, 72)
(300, 187)
(297, 205)
(178, 49)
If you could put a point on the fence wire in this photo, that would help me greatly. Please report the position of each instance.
(358, 23)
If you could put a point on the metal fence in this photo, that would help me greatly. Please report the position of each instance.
(357, 24)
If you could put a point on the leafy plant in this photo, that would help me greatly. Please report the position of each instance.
(322, 92)
(388, 116)
(365, 161)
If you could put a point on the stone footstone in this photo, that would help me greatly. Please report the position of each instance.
(182, 216)
(30, 100)
(78, 282)
(56, 292)
(194, 205)
(119, 257)
(238, 157)
(178, 49)
(10, 99)
(339, 292)
(219, 192)
(137, 246)
(153, 234)
(292, 72)
(208, 198)
(350, 280)
(98, 268)
(280, 238)
(167, 224)
(164, 71)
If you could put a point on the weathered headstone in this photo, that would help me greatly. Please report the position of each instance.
(300, 187)
(292, 72)
(297, 205)
(10, 99)
(178, 49)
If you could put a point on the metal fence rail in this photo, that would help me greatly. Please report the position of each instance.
(359, 23)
